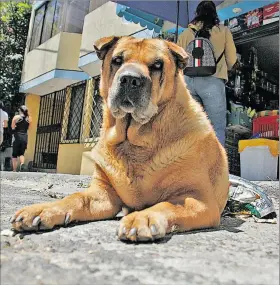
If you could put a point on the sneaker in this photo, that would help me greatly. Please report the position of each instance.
(22, 167)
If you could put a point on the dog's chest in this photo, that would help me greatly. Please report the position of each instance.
(129, 170)
(140, 176)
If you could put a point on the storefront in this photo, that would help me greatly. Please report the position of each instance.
(253, 89)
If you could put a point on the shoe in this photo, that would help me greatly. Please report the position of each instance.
(22, 167)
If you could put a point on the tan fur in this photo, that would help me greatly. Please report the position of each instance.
(172, 171)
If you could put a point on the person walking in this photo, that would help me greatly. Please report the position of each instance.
(210, 90)
(20, 126)
(3, 122)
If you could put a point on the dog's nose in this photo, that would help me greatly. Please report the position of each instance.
(131, 81)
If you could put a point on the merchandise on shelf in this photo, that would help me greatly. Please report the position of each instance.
(251, 87)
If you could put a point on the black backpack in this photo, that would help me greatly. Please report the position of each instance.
(201, 61)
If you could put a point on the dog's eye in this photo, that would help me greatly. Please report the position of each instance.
(118, 60)
(157, 65)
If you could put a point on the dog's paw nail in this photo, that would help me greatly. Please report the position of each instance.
(19, 219)
(132, 232)
(154, 230)
(67, 219)
(124, 230)
(12, 219)
(36, 221)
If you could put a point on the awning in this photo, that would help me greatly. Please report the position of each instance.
(138, 17)
(166, 10)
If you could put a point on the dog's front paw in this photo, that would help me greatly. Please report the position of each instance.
(142, 226)
(40, 217)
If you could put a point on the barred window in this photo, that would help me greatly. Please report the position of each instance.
(96, 119)
(75, 113)
(92, 119)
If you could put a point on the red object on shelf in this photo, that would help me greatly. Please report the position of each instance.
(266, 127)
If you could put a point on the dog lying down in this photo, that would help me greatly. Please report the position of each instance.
(157, 156)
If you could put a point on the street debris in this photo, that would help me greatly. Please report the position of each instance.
(8, 233)
(267, 221)
(55, 195)
(249, 199)
(83, 185)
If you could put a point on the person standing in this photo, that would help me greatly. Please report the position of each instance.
(3, 122)
(20, 126)
(210, 90)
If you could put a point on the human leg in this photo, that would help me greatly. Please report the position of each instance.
(212, 92)
(190, 85)
(1, 138)
(15, 154)
(14, 160)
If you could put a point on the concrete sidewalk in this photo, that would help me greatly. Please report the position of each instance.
(239, 252)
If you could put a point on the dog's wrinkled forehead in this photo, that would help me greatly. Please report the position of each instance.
(141, 50)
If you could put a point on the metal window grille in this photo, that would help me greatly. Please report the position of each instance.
(73, 114)
(92, 122)
(49, 130)
(96, 119)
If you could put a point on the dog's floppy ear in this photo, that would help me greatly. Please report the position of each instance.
(180, 55)
(103, 45)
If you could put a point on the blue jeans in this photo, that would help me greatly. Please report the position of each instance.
(211, 93)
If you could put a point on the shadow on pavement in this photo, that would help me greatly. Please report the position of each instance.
(229, 224)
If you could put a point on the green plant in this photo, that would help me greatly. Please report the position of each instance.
(14, 24)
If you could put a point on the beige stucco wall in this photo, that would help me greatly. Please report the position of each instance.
(41, 59)
(104, 22)
(68, 53)
(70, 158)
(61, 52)
(33, 104)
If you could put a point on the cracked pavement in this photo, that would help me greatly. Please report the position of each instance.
(241, 251)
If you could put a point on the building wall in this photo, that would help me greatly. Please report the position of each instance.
(70, 158)
(69, 50)
(41, 59)
(87, 160)
(33, 104)
(60, 52)
(104, 22)
(70, 154)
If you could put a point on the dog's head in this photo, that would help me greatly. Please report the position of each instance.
(138, 74)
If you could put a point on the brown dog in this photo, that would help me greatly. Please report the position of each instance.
(157, 156)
